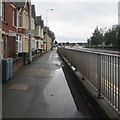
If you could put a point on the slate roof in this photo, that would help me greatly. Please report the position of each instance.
(20, 4)
(33, 12)
(38, 20)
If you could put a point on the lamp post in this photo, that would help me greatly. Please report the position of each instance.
(47, 26)
(30, 48)
(0, 27)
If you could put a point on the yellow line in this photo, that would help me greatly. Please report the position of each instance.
(111, 86)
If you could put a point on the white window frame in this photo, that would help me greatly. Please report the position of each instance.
(13, 17)
(19, 44)
(6, 46)
(20, 22)
(3, 11)
(2, 44)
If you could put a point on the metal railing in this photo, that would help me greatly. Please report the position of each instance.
(101, 70)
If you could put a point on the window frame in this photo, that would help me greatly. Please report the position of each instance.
(6, 42)
(3, 11)
(20, 20)
(14, 17)
(19, 43)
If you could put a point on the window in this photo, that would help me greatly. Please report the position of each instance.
(19, 44)
(2, 44)
(0, 8)
(14, 17)
(20, 19)
(3, 11)
(26, 21)
(6, 45)
(37, 45)
(37, 32)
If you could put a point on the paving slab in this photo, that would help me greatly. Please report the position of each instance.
(40, 90)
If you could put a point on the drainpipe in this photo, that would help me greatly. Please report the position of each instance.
(30, 48)
(0, 29)
(0, 61)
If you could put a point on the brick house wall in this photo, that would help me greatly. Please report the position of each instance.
(7, 26)
(24, 27)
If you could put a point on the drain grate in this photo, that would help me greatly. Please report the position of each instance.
(19, 87)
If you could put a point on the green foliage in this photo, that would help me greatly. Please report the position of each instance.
(100, 37)
(97, 38)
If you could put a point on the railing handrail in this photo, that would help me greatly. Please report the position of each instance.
(94, 52)
(100, 69)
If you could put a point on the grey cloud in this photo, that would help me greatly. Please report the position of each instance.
(79, 14)
(70, 39)
(82, 11)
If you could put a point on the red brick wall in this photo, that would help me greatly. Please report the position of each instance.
(27, 7)
(6, 50)
(9, 51)
(7, 25)
(18, 63)
(12, 47)
(22, 30)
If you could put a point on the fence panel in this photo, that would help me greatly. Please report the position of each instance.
(101, 70)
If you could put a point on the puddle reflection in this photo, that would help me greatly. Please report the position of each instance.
(59, 99)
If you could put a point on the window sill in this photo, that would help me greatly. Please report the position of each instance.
(21, 27)
(4, 22)
(14, 26)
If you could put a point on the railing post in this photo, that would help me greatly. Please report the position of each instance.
(119, 84)
(99, 96)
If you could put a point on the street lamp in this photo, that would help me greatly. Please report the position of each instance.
(47, 25)
(47, 16)
(30, 49)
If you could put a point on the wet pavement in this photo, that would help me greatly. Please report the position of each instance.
(41, 90)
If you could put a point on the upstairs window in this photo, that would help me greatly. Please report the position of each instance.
(20, 19)
(3, 11)
(14, 17)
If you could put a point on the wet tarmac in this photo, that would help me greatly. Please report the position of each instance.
(43, 89)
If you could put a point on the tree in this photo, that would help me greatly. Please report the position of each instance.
(111, 36)
(97, 38)
(118, 36)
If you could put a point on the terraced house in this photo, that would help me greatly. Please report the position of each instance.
(23, 26)
(49, 38)
(16, 22)
(14, 28)
(33, 21)
(39, 33)
(9, 29)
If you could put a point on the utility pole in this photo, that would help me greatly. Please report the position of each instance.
(0, 28)
(119, 13)
(0, 60)
(30, 48)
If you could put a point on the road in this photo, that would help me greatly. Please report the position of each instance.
(41, 90)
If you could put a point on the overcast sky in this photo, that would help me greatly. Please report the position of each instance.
(76, 21)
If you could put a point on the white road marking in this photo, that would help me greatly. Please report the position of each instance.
(50, 56)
